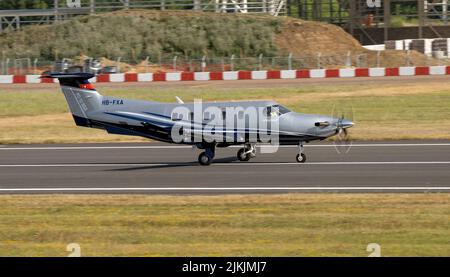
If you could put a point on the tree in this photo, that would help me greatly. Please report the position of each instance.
(25, 4)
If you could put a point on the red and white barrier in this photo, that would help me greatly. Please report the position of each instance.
(242, 75)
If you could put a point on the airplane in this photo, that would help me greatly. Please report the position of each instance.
(157, 121)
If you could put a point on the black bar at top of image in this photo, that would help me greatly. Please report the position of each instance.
(223, 266)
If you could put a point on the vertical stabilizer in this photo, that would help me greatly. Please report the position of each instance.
(81, 96)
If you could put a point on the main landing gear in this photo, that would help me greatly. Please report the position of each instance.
(301, 158)
(246, 153)
(206, 158)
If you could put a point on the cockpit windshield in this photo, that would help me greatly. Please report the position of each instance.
(276, 110)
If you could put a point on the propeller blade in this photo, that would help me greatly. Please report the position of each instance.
(344, 113)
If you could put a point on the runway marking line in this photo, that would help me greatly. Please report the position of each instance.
(221, 164)
(188, 147)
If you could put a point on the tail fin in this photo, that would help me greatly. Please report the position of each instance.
(81, 95)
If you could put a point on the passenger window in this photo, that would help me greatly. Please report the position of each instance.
(266, 111)
(177, 117)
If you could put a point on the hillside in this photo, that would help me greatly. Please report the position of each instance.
(140, 33)
(137, 34)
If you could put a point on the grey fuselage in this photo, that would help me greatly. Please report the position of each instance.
(155, 120)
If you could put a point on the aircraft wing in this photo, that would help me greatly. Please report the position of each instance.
(222, 135)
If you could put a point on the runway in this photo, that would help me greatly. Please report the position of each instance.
(400, 166)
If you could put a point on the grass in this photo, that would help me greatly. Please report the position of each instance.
(381, 111)
(250, 225)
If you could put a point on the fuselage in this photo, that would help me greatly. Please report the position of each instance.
(218, 123)
(155, 120)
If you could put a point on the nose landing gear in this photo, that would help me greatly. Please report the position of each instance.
(301, 158)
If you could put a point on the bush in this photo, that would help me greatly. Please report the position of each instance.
(136, 35)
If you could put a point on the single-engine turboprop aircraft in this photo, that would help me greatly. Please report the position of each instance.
(206, 126)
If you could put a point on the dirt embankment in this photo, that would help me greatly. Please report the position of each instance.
(308, 39)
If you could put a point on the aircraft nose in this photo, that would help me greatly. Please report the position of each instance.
(345, 123)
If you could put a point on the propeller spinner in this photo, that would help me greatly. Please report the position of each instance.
(344, 115)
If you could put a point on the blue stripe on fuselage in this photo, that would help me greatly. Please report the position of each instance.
(164, 125)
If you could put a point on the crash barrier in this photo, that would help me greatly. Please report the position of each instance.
(242, 75)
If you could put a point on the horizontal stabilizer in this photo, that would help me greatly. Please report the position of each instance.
(76, 80)
(82, 76)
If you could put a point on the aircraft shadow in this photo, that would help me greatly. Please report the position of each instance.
(174, 165)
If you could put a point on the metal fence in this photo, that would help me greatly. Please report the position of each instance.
(175, 63)
(61, 10)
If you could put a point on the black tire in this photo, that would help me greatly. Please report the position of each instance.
(242, 156)
(204, 159)
(301, 158)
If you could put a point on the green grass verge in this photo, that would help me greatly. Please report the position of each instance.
(399, 111)
(250, 225)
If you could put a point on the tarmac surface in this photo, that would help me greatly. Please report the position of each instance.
(390, 166)
(385, 166)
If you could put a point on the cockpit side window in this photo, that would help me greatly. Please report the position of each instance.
(275, 110)
(282, 109)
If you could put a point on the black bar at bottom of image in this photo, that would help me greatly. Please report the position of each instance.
(232, 266)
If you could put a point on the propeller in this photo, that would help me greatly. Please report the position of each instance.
(344, 113)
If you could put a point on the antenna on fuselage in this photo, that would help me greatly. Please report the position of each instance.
(179, 101)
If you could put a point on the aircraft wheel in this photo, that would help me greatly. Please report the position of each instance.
(301, 158)
(204, 159)
(242, 156)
